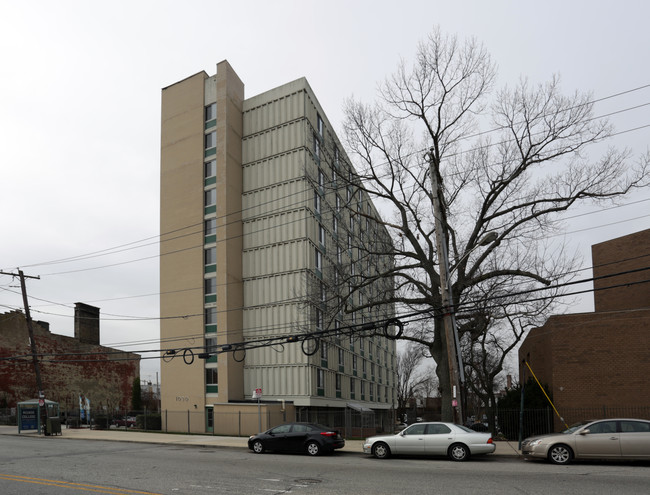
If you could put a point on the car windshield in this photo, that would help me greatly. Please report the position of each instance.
(575, 427)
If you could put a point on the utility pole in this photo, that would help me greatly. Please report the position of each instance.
(451, 339)
(30, 328)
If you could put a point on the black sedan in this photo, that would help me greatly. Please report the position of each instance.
(311, 438)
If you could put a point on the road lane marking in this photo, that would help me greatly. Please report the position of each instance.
(75, 486)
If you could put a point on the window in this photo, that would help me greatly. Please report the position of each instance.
(281, 429)
(323, 350)
(317, 148)
(319, 260)
(603, 427)
(210, 256)
(211, 197)
(416, 429)
(321, 179)
(335, 224)
(354, 363)
(211, 226)
(336, 156)
(321, 235)
(319, 320)
(210, 112)
(319, 123)
(338, 203)
(210, 344)
(363, 389)
(320, 378)
(438, 429)
(316, 201)
(210, 316)
(340, 356)
(323, 293)
(211, 376)
(338, 383)
(210, 140)
(634, 427)
(210, 168)
(211, 285)
(352, 387)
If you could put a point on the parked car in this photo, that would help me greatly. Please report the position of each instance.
(311, 438)
(129, 421)
(455, 441)
(479, 427)
(602, 439)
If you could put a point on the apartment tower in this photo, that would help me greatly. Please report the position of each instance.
(260, 227)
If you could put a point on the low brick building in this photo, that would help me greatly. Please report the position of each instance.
(600, 360)
(70, 366)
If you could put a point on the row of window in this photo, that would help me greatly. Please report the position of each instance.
(364, 387)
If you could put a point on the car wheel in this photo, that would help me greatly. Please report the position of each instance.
(560, 454)
(258, 447)
(380, 450)
(458, 452)
(313, 448)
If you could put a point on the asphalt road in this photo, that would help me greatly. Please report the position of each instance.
(49, 466)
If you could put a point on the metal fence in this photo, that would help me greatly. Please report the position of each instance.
(543, 421)
(351, 422)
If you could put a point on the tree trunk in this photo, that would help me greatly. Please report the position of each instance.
(439, 354)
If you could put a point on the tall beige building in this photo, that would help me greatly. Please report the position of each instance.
(262, 261)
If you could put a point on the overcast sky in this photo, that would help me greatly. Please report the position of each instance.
(80, 87)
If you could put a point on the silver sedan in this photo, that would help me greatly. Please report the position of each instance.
(455, 441)
(603, 439)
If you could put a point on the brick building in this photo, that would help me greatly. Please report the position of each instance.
(601, 359)
(70, 366)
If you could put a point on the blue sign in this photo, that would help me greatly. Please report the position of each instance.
(28, 418)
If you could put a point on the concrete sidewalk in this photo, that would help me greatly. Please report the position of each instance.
(121, 435)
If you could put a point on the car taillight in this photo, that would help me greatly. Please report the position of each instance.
(490, 440)
(328, 433)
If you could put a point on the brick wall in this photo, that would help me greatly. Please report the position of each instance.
(593, 359)
(105, 379)
(624, 254)
(601, 359)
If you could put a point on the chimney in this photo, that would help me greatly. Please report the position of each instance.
(86, 323)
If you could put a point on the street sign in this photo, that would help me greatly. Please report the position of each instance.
(257, 393)
(41, 402)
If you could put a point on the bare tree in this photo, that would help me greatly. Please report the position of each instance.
(512, 179)
(409, 376)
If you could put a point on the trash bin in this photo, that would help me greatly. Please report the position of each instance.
(53, 426)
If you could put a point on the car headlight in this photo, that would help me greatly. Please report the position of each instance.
(534, 443)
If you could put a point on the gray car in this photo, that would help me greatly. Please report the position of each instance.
(603, 439)
(444, 439)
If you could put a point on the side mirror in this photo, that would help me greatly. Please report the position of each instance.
(584, 432)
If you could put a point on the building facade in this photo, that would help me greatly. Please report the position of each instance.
(599, 361)
(266, 248)
(70, 367)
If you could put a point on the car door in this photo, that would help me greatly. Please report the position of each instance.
(601, 440)
(297, 437)
(411, 440)
(635, 439)
(277, 438)
(438, 439)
